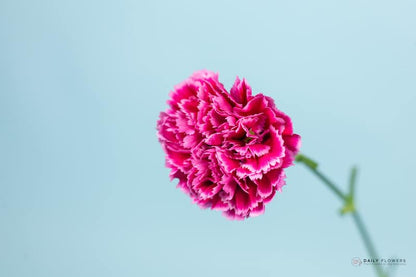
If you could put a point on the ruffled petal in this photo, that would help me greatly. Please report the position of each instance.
(241, 91)
(228, 150)
(214, 139)
(258, 210)
(227, 164)
(242, 201)
(264, 186)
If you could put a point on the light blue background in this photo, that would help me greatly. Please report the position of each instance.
(83, 187)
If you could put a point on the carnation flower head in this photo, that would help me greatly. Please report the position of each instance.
(227, 149)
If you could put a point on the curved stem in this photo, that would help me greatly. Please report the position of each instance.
(329, 184)
(348, 200)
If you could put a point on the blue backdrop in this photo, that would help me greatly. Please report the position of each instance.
(83, 187)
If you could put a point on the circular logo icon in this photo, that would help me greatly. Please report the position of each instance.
(356, 261)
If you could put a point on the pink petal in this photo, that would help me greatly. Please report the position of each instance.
(204, 74)
(226, 163)
(181, 91)
(242, 201)
(177, 158)
(293, 142)
(276, 177)
(216, 119)
(214, 139)
(207, 189)
(228, 188)
(257, 210)
(242, 172)
(219, 204)
(222, 106)
(191, 141)
(270, 197)
(240, 91)
(275, 155)
(256, 105)
(231, 215)
(182, 122)
(253, 150)
(264, 187)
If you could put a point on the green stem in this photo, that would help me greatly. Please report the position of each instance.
(367, 241)
(348, 200)
(329, 184)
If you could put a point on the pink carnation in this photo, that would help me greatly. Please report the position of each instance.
(228, 150)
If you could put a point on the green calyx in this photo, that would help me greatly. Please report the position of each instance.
(307, 161)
